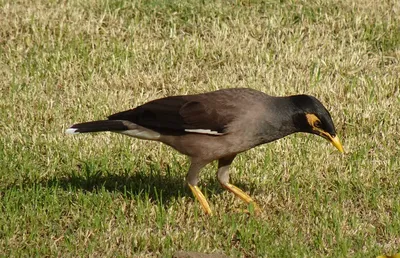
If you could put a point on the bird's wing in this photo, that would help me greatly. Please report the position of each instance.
(194, 113)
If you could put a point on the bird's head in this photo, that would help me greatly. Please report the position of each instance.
(312, 117)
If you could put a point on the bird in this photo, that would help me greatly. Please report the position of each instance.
(218, 125)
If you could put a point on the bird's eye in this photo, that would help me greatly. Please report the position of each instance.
(317, 124)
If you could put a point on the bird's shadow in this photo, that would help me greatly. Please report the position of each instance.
(130, 186)
(158, 185)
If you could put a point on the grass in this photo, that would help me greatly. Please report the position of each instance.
(106, 195)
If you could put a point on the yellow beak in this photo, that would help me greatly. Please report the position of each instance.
(336, 142)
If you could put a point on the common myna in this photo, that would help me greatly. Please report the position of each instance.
(217, 126)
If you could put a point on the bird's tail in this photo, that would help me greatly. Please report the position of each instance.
(117, 126)
(98, 126)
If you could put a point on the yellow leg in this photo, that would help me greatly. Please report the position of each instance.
(242, 195)
(202, 199)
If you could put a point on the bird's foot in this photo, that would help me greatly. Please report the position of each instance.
(201, 198)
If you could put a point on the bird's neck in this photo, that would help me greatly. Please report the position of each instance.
(277, 123)
(288, 116)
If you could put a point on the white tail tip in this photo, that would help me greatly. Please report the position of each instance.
(71, 131)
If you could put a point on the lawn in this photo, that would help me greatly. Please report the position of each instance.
(108, 195)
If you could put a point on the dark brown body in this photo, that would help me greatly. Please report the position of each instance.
(217, 126)
(240, 128)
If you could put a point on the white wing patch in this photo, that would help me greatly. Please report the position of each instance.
(203, 131)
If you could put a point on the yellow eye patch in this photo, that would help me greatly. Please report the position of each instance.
(312, 119)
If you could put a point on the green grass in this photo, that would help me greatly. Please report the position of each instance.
(63, 62)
